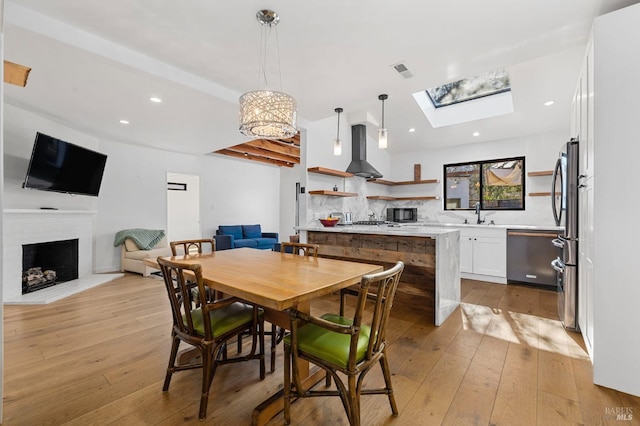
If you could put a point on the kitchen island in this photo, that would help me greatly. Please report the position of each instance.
(431, 257)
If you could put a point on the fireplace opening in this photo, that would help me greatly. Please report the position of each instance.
(47, 264)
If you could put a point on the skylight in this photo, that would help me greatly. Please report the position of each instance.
(487, 84)
(475, 98)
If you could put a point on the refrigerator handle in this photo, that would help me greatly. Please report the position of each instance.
(557, 173)
(557, 265)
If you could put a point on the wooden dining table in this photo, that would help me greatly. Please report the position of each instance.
(276, 281)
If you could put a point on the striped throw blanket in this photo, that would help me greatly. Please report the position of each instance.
(146, 239)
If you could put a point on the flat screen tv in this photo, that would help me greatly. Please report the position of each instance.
(61, 166)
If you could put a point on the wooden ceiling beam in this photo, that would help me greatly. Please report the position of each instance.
(292, 140)
(290, 150)
(264, 153)
(16, 74)
(253, 158)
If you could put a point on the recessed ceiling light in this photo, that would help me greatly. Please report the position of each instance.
(411, 130)
(124, 121)
(548, 103)
(476, 133)
(156, 100)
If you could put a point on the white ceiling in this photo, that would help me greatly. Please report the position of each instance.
(95, 62)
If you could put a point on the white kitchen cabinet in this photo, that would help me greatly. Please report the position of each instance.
(608, 273)
(483, 254)
(584, 111)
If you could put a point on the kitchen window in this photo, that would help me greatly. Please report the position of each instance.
(495, 184)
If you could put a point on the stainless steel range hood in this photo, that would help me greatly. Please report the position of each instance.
(359, 165)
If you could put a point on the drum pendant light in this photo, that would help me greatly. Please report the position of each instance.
(264, 113)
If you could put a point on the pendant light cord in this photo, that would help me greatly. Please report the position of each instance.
(265, 35)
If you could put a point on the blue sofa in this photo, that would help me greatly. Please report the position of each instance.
(235, 236)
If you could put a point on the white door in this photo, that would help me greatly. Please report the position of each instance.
(183, 207)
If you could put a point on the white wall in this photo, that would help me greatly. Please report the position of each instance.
(19, 134)
(288, 179)
(2, 112)
(320, 137)
(133, 192)
(540, 151)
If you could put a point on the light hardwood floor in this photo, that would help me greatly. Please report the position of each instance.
(502, 358)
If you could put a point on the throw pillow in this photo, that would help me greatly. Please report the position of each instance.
(235, 230)
(252, 231)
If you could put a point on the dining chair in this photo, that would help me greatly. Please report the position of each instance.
(300, 248)
(192, 246)
(197, 246)
(207, 327)
(343, 345)
(277, 333)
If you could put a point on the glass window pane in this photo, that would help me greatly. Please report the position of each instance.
(495, 184)
(487, 84)
(502, 185)
(462, 189)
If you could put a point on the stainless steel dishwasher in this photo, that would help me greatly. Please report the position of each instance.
(529, 257)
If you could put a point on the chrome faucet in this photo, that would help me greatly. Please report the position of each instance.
(478, 213)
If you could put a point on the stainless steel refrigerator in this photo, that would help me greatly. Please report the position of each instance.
(564, 200)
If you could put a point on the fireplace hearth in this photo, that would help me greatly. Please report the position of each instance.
(47, 264)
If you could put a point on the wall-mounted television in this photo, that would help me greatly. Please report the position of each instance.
(61, 166)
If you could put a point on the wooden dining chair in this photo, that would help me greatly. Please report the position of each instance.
(300, 248)
(197, 246)
(207, 327)
(192, 246)
(277, 333)
(343, 345)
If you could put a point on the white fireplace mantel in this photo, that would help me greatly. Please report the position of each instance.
(32, 226)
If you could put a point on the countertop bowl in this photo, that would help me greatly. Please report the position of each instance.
(330, 221)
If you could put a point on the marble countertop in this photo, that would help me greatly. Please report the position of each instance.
(486, 225)
(422, 229)
(426, 231)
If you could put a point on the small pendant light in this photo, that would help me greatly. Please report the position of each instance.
(382, 131)
(337, 143)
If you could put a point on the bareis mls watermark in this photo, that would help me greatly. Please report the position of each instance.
(620, 413)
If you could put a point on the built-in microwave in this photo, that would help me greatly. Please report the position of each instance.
(402, 215)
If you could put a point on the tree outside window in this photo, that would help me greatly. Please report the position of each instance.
(495, 184)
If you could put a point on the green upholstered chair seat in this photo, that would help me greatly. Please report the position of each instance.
(224, 319)
(329, 345)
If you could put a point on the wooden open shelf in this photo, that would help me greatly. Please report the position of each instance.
(404, 182)
(330, 172)
(387, 198)
(539, 194)
(541, 173)
(333, 193)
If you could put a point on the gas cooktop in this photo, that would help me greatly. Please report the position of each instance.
(369, 222)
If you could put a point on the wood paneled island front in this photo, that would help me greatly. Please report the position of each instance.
(431, 257)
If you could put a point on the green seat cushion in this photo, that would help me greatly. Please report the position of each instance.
(329, 345)
(223, 319)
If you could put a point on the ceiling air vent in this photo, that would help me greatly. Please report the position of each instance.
(402, 70)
